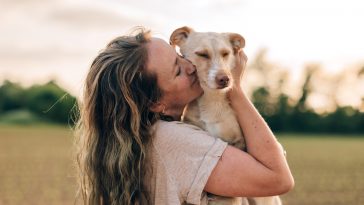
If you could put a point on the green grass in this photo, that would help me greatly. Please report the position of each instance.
(36, 167)
(20, 117)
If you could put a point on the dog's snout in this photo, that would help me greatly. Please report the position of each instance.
(222, 80)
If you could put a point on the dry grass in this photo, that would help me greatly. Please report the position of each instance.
(36, 168)
(327, 170)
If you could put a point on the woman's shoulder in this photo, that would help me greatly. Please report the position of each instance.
(187, 154)
(179, 134)
(173, 126)
(175, 130)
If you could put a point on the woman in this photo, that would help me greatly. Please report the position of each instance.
(132, 149)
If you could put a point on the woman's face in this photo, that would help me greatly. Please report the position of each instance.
(176, 76)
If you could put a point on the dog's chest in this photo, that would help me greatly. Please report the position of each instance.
(217, 118)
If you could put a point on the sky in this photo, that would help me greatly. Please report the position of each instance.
(58, 39)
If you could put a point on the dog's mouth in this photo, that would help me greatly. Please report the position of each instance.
(220, 87)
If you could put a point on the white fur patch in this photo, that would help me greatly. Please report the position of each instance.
(211, 82)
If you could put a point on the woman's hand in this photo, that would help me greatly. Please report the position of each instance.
(238, 72)
(240, 64)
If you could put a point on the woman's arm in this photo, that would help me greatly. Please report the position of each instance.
(263, 170)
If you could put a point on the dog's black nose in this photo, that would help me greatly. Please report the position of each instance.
(222, 81)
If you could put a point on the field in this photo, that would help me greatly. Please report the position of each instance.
(36, 167)
(327, 170)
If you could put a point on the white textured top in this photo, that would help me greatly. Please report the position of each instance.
(183, 157)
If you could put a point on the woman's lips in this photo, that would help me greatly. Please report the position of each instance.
(194, 79)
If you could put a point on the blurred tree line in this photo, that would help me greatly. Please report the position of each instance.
(267, 83)
(269, 92)
(38, 103)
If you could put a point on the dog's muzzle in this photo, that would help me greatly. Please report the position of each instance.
(222, 81)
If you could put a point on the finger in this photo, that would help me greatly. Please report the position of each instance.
(239, 54)
(243, 55)
(241, 58)
(238, 58)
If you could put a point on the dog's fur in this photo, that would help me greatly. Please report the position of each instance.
(213, 54)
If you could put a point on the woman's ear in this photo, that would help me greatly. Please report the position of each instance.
(158, 107)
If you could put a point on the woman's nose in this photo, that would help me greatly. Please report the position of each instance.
(190, 69)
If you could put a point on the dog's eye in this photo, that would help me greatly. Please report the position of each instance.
(225, 54)
(203, 55)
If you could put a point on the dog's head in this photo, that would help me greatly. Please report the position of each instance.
(211, 53)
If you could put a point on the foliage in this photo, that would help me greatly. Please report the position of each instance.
(47, 102)
(21, 117)
(284, 113)
(11, 96)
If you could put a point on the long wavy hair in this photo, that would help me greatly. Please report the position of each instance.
(113, 130)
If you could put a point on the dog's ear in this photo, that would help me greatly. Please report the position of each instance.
(237, 41)
(180, 35)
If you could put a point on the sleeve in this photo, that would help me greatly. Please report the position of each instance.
(189, 155)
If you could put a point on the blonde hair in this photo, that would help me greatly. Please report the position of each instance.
(113, 130)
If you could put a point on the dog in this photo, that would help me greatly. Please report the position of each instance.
(213, 54)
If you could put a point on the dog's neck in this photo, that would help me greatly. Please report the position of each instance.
(208, 108)
(213, 93)
(213, 98)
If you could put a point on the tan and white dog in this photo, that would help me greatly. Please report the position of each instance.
(213, 54)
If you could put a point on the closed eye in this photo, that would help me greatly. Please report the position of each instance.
(178, 71)
(225, 54)
(203, 55)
